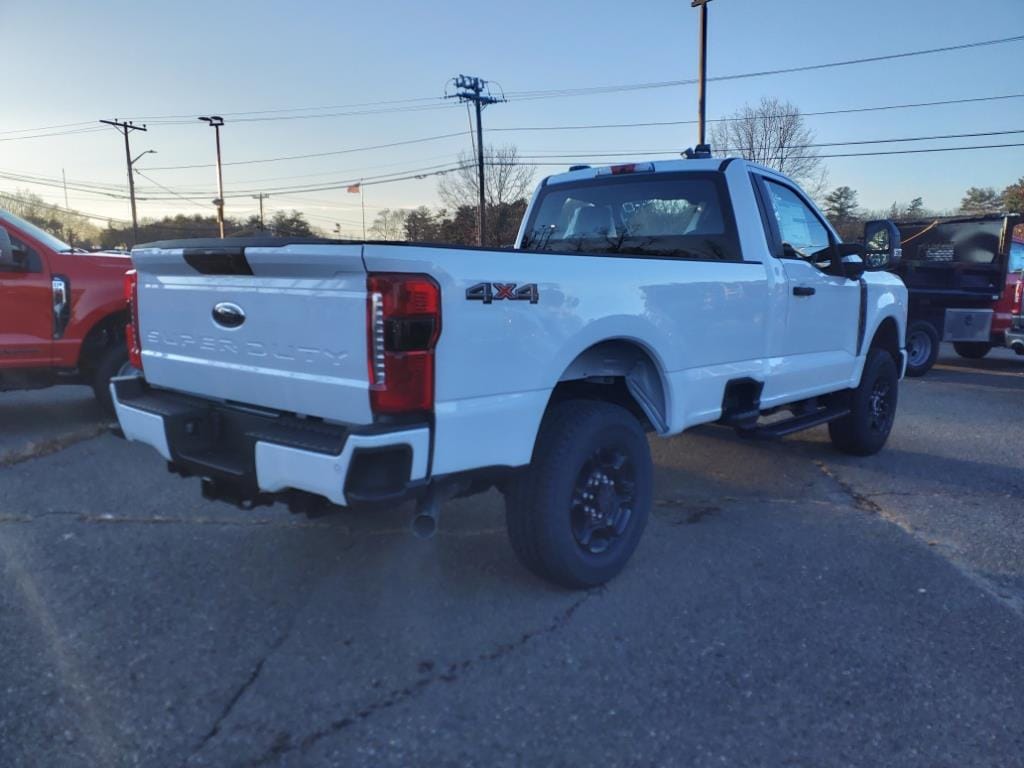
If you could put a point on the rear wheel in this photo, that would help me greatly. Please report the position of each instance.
(872, 408)
(922, 347)
(972, 350)
(576, 514)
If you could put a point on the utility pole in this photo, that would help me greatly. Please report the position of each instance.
(67, 205)
(126, 128)
(260, 197)
(215, 122)
(475, 89)
(702, 73)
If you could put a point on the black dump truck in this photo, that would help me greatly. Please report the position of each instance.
(955, 270)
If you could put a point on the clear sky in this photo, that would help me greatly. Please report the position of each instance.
(79, 62)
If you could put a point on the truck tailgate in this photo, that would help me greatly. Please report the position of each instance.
(277, 327)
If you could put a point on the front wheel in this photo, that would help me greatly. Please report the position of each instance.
(865, 429)
(113, 363)
(972, 350)
(576, 514)
(922, 347)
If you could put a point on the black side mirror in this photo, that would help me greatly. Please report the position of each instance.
(851, 263)
(7, 257)
(882, 244)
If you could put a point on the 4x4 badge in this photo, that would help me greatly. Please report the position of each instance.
(490, 292)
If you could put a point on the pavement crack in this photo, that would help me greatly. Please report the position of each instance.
(861, 501)
(229, 706)
(284, 744)
(41, 448)
(952, 556)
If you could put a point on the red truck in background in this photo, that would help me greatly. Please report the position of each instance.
(1010, 308)
(62, 312)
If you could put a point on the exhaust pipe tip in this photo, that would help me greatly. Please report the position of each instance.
(424, 526)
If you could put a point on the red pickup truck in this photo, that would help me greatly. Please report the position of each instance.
(62, 312)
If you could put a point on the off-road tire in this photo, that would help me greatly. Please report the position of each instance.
(575, 437)
(864, 430)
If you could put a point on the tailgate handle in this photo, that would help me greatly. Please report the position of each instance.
(803, 290)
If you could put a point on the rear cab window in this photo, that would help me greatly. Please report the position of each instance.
(659, 215)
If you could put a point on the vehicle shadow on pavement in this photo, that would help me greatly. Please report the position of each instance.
(971, 376)
(985, 365)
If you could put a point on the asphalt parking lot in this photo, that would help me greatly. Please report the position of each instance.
(789, 605)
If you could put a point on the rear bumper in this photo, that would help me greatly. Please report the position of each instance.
(247, 455)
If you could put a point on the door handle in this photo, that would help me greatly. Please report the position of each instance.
(803, 290)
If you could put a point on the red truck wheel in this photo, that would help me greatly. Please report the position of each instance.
(972, 350)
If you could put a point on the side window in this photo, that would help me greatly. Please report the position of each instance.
(803, 234)
(1016, 257)
(27, 256)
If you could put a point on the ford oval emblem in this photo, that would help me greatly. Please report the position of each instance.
(228, 315)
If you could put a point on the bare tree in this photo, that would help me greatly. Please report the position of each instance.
(506, 179)
(773, 134)
(389, 224)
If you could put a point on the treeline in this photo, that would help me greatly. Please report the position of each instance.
(281, 224)
(455, 227)
(847, 216)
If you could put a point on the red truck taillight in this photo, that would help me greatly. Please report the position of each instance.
(403, 325)
(131, 330)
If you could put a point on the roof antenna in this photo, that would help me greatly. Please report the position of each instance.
(700, 152)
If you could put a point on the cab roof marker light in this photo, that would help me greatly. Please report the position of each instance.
(617, 170)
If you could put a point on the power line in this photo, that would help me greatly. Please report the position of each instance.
(609, 153)
(168, 189)
(845, 111)
(601, 89)
(353, 113)
(537, 163)
(47, 127)
(55, 133)
(389, 102)
(51, 206)
(307, 156)
(440, 137)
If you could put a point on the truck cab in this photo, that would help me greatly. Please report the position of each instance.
(62, 311)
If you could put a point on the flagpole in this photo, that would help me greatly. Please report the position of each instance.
(362, 204)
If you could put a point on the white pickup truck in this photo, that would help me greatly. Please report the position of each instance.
(639, 298)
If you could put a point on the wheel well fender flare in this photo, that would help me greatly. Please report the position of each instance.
(624, 371)
(887, 336)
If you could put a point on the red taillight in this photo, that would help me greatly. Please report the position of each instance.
(1018, 294)
(403, 325)
(131, 329)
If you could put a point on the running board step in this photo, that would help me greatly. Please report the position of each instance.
(796, 424)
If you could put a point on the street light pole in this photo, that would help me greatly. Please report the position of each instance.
(215, 122)
(702, 73)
